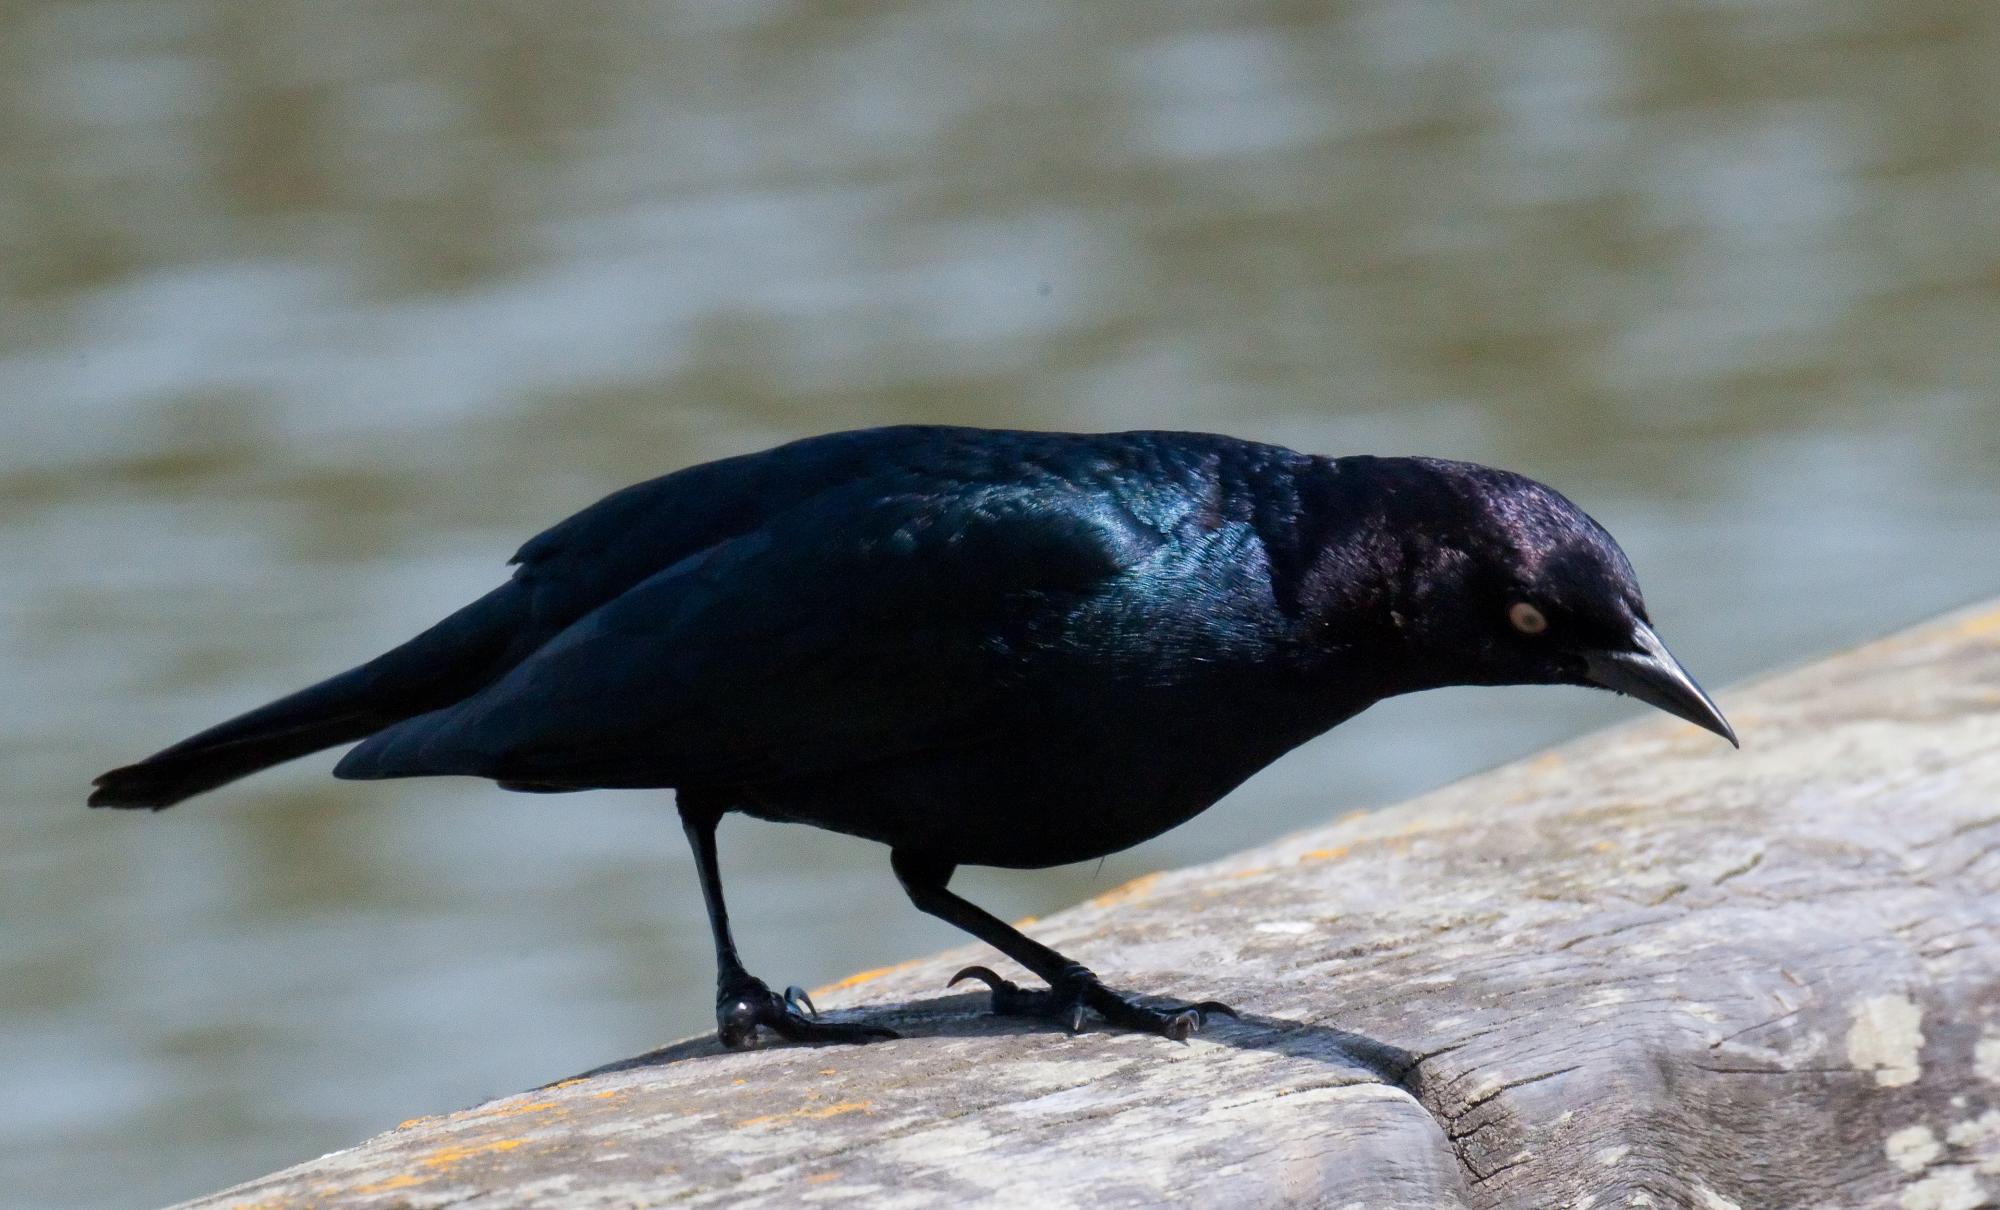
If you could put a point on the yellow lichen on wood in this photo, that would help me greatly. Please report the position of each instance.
(860, 977)
(446, 1156)
(827, 1111)
(1333, 854)
(1126, 891)
(439, 1159)
(504, 1110)
(832, 1111)
(1979, 625)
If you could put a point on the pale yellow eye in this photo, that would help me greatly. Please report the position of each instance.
(1526, 618)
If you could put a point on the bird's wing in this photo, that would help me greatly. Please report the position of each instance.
(608, 548)
(862, 625)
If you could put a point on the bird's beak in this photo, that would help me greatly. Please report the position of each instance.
(1650, 673)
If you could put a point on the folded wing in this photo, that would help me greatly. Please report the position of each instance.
(865, 624)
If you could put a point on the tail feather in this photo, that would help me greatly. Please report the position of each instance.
(161, 780)
(441, 665)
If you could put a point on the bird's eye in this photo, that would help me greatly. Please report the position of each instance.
(1526, 618)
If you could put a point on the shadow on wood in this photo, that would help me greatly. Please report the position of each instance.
(965, 1016)
(1638, 971)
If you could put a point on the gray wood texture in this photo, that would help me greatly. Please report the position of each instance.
(1641, 970)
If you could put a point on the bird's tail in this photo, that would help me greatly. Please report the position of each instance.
(441, 665)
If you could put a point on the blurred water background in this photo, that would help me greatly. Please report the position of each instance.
(309, 313)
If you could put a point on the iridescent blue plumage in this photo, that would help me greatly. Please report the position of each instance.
(1001, 648)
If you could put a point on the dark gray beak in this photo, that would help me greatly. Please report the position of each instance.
(1650, 673)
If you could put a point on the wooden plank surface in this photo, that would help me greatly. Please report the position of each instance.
(1641, 970)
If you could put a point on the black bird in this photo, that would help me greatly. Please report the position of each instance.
(977, 647)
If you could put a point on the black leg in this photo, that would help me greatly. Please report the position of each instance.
(742, 1001)
(1072, 987)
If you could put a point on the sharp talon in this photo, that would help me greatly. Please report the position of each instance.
(1181, 1024)
(795, 996)
(980, 973)
(1075, 1021)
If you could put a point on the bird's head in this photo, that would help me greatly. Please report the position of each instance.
(1501, 580)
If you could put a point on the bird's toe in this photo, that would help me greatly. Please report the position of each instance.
(1079, 993)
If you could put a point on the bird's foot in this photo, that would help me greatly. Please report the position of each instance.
(742, 1004)
(1078, 990)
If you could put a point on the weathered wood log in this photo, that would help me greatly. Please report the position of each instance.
(1638, 971)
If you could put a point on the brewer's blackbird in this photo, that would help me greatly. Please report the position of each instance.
(976, 647)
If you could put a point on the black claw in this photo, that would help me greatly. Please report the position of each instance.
(982, 974)
(795, 996)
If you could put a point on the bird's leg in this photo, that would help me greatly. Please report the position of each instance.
(1072, 987)
(742, 1001)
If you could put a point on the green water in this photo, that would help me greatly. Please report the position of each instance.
(309, 313)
